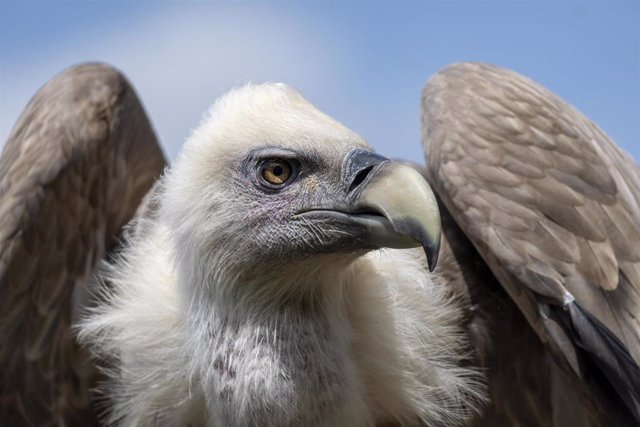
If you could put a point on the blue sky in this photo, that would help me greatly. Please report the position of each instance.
(362, 62)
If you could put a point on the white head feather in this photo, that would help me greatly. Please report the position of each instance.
(206, 322)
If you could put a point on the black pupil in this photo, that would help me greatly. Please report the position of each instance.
(277, 170)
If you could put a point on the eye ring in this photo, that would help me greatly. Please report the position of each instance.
(276, 173)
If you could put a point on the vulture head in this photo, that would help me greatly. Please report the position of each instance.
(268, 186)
(249, 290)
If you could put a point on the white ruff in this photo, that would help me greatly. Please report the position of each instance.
(397, 341)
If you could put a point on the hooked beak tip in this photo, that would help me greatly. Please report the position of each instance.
(432, 257)
(402, 195)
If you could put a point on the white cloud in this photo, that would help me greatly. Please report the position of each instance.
(181, 60)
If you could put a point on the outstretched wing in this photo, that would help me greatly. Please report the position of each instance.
(552, 205)
(73, 172)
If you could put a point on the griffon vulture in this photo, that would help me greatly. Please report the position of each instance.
(248, 288)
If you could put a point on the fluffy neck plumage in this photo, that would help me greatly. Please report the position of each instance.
(375, 341)
(274, 345)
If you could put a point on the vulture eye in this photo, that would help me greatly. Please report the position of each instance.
(276, 172)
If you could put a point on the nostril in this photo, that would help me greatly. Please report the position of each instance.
(359, 178)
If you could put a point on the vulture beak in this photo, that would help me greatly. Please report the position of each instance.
(390, 202)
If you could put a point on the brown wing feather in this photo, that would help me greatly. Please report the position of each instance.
(548, 200)
(78, 162)
(525, 386)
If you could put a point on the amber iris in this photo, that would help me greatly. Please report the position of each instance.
(276, 172)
